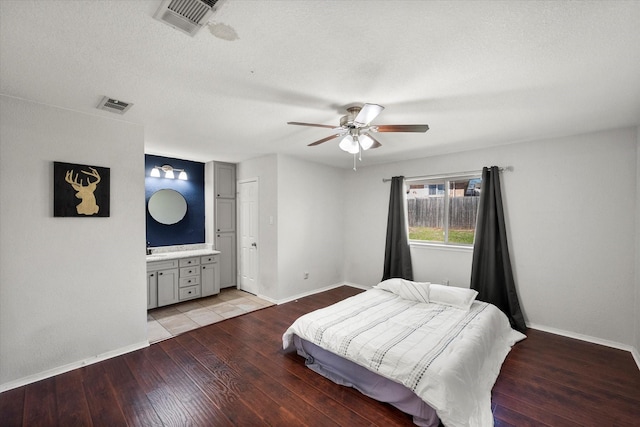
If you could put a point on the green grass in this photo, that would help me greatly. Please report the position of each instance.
(437, 235)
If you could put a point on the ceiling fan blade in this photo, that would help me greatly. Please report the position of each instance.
(376, 143)
(320, 141)
(402, 128)
(311, 124)
(367, 114)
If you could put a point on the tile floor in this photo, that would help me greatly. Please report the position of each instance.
(167, 322)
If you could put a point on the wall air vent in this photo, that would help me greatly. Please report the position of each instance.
(187, 16)
(114, 105)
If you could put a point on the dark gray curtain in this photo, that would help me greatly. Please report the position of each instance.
(491, 273)
(397, 256)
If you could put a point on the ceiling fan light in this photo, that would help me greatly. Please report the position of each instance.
(365, 142)
(349, 145)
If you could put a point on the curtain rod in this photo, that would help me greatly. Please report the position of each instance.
(448, 175)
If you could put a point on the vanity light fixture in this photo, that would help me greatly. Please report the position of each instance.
(168, 172)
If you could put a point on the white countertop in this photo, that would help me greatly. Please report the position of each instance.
(163, 256)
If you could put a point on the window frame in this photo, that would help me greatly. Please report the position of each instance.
(446, 180)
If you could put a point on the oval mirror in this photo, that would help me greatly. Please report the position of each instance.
(167, 206)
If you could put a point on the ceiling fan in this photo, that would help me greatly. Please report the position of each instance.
(355, 129)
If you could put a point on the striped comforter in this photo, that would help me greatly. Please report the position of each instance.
(449, 357)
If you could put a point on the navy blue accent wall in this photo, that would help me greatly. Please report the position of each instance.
(191, 228)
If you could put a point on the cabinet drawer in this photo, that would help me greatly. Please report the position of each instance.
(189, 271)
(162, 265)
(189, 292)
(185, 262)
(208, 259)
(189, 281)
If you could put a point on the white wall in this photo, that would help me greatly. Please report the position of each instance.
(637, 264)
(571, 214)
(301, 225)
(72, 290)
(209, 201)
(310, 226)
(266, 170)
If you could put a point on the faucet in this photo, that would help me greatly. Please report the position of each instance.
(148, 248)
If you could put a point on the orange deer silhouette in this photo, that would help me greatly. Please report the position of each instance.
(88, 205)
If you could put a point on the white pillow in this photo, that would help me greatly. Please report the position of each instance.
(461, 298)
(413, 291)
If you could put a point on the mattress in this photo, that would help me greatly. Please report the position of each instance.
(349, 374)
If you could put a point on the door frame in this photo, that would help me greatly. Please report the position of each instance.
(239, 229)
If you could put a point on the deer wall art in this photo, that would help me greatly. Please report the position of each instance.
(88, 205)
(89, 184)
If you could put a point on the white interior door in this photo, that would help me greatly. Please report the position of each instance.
(248, 213)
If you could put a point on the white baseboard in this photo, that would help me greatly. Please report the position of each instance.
(71, 366)
(589, 338)
(266, 298)
(355, 285)
(636, 356)
(313, 292)
(306, 294)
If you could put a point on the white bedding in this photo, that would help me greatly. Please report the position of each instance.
(449, 357)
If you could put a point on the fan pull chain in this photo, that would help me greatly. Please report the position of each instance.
(359, 153)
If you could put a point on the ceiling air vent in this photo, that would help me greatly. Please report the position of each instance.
(113, 105)
(187, 16)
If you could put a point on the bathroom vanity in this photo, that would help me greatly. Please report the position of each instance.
(182, 275)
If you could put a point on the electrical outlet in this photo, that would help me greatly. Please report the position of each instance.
(305, 275)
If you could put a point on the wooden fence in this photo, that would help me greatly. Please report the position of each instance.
(429, 212)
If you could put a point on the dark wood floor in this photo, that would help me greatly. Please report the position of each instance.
(235, 373)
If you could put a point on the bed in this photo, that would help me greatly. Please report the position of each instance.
(432, 351)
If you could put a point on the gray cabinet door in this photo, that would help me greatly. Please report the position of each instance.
(224, 180)
(226, 244)
(225, 212)
(168, 287)
(152, 289)
(210, 274)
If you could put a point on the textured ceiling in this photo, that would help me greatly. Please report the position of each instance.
(479, 73)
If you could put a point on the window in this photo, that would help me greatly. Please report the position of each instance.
(439, 216)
